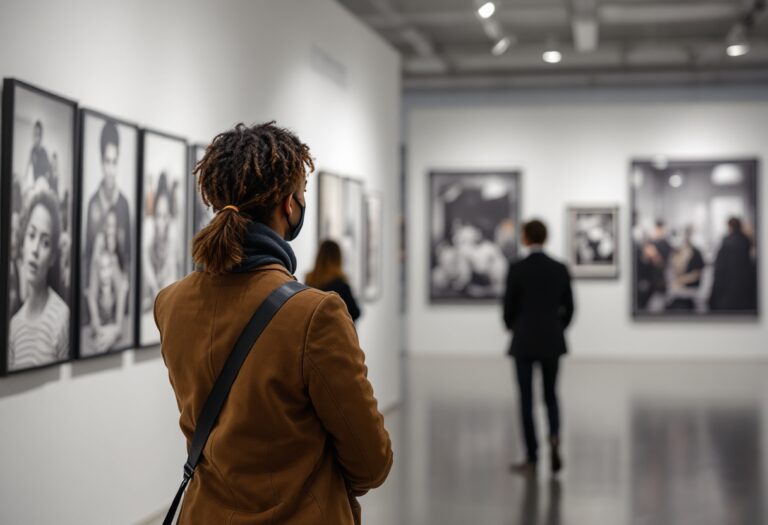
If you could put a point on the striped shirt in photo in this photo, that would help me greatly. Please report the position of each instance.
(40, 340)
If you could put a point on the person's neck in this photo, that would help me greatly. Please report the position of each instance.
(535, 248)
(37, 300)
(109, 193)
(277, 224)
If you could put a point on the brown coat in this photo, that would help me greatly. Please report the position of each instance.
(300, 432)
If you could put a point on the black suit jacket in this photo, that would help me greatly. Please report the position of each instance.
(538, 306)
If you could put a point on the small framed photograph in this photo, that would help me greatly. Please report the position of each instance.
(109, 233)
(37, 253)
(593, 241)
(373, 257)
(473, 232)
(163, 233)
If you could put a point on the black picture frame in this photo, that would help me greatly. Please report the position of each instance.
(16, 92)
(481, 217)
(601, 270)
(341, 219)
(147, 335)
(668, 167)
(201, 215)
(373, 252)
(135, 247)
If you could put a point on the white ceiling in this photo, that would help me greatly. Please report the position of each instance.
(445, 44)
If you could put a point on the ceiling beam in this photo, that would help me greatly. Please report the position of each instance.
(549, 14)
(607, 77)
(679, 52)
(418, 41)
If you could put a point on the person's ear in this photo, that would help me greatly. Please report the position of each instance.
(286, 205)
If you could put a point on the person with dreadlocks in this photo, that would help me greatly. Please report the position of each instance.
(300, 435)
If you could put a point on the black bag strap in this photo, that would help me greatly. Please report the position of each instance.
(220, 391)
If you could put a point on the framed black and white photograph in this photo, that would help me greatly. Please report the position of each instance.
(109, 233)
(373, 254)
(473, 232)
(201, 214)
(695, 237)
(341, 213)
(39, 233)
(593, 234)
(164, 215)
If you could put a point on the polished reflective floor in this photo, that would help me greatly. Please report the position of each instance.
(644, 444)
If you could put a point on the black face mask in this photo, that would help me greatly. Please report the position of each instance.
(295, 229)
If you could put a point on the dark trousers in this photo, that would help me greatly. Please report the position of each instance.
(524, 369)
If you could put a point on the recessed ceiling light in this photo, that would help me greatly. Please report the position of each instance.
(676, 180)
(500, 47)
(486, 10)
(727, 175)
(552, 56)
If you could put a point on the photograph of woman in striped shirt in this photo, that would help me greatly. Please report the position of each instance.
(39, 331)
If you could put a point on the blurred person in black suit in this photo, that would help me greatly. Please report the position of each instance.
(735, 283)
(661, 242)
(538, 307)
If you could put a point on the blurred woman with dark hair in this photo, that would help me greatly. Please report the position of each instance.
(328, 276)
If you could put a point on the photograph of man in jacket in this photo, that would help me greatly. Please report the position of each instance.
(538, 307)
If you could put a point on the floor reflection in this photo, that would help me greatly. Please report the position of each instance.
(641, 447)
(696, 464)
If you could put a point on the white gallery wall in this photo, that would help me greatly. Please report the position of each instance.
(98, 441)
(575, 148)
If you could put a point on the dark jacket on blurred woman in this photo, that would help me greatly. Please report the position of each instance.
(327, 275)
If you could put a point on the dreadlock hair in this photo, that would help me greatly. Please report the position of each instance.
(253, 168)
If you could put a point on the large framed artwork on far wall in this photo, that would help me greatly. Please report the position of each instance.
(695, 234)
(164, 213)
(109, 234)
(341, 213)
(473, 232)
(593, 236)
(39, 234)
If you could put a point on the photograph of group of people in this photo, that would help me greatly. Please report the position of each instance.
(109, 233)
(695, 238)
(84, 252)
(164, 219)
(473, 234)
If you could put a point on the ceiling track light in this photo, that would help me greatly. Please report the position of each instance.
(552, 54)
(501, 47)
(736, 42)
(486, 10)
